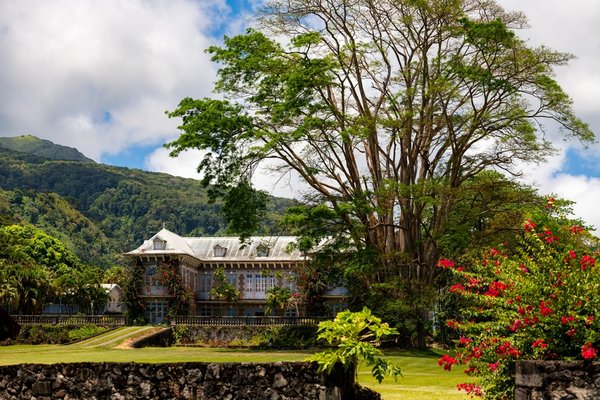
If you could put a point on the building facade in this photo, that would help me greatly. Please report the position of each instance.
(253, 268)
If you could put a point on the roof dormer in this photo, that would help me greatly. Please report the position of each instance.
(219, 251)
(262, 250)
(159, 244)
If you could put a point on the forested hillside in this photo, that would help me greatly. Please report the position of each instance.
(100, 211)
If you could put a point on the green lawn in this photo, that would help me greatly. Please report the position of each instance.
(422, 380)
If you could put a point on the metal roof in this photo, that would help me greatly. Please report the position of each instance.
(280, 248)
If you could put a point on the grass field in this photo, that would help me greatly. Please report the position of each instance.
(422, 380)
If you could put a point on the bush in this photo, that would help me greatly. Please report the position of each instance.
(288, 337)
(86, 331)
(56, 334)
(537, 300)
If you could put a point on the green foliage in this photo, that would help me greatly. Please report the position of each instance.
(245, 209)
(181, 296)
(86, 331)
(222, 290)
(386, 115)
(100, 212)
(355, 337)
(536, 298)
(278, 299)
(116, 274)
(37, 268)
(288, 337)
(132, 287)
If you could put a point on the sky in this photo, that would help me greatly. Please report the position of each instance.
(99, 76)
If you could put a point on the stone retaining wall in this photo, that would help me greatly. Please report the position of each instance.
(550, 380)
(206, 381)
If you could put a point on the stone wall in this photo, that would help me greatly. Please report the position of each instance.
(206, 381)
(553, 380)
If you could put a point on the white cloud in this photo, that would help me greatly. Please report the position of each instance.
(67, 64)
(184, 165)
(98, 75)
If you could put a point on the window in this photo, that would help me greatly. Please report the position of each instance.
(152, 283)
(204, 285)
(159, 244)
(232, 279)
(219, 251)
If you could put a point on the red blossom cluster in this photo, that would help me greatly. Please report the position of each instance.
(548, 237)
(588, 352)
(445, 263)
(545, 310)
(586, 262)
(540, 343)
(447, 362)
(507, 349)
(529, 225)
(496, 288)
(575, 229)
(471, 389)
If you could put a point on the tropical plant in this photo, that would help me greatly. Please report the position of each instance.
(355, 337)
(278, 299)
(222, 290)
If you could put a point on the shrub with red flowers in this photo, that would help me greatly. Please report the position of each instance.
(537, 300)
(181, 296)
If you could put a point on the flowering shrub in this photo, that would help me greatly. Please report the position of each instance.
(181, 297)
(535, 301)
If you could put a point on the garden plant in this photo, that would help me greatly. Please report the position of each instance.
(537, 299)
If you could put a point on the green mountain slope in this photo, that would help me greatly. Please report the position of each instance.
(100, 211)
(56, 216)
(40, 147)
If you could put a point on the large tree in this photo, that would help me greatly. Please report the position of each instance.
(384, 108)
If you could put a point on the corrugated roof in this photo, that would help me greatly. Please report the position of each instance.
(202, 248)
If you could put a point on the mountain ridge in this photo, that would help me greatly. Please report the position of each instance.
(44, 148)
(102, 211)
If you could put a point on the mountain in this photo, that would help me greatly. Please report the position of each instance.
(101, 211)
(43, 148)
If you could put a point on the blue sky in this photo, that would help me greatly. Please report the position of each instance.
(99, 75)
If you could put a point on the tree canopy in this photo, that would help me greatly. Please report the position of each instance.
(385, 109)
(36, 268)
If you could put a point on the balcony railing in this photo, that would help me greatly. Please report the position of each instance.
(110, 320)
(239, 321)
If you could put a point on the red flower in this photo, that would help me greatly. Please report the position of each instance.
(471, 389)
(588, 352)
(529, 225)
(544, 309)
(571, 256)
(539, 343)
(524, 268)
(493, 366)
(572, 332)
(451, 323)
(567, 319)
(589, 320)
(457, 288)
(587, 262)
(495, 289)
(447, 362)
(575, 229)
(445, 263)
(465, 341)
